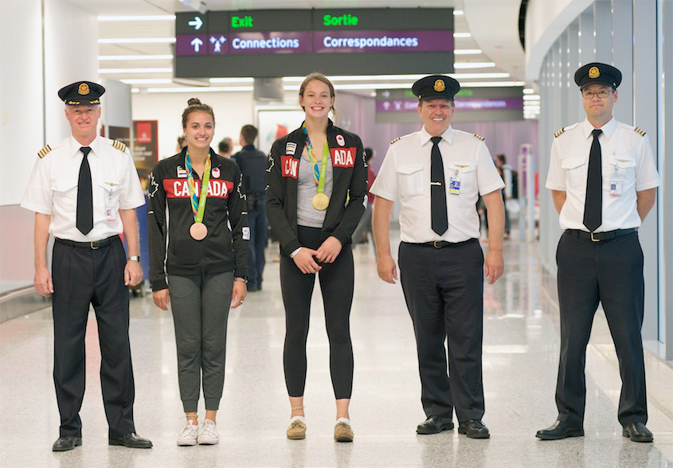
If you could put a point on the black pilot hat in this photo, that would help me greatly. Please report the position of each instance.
(598, 73)
(81, 93)
(435, 87)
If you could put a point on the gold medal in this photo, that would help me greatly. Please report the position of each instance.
(198, 231)
(320, 201)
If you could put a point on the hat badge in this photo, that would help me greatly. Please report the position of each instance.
(439, 86)
(594, 72)
(83, 89)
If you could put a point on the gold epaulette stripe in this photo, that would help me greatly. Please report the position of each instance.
(395, 140)
(119, 145)
(479, 137)
(43, 152)
(640, 131)
(559, 133)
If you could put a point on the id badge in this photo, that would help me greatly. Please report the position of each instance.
(110, 209)
(616, 187)
(454, 185)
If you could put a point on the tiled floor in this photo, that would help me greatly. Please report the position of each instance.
(520, 360)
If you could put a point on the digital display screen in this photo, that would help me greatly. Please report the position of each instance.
(272, 43)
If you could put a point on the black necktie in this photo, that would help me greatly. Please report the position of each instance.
(440, 216)
(593, 203)
(84, 220)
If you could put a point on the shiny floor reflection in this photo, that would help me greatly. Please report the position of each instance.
(520, 361)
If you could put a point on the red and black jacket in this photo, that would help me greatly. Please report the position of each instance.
(224, 249)
(349, 187)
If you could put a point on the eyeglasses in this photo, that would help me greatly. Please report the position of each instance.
(603, 93)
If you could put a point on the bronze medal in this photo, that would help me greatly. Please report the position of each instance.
(198, 231)
(320, 201)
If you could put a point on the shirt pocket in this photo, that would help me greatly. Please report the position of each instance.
(111, 190)
(576, 171)
(466, 172)
(65, 194)
(411, 180)
(624, 166)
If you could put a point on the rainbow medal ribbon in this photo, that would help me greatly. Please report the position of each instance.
(198, 230)
(320, 200)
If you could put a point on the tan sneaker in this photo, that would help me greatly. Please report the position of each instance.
(296, 430)
(343, 432)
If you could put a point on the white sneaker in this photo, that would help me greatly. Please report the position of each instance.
(208, 433)
(188, 434)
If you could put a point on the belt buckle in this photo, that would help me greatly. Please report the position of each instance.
(95, 245)
(435, 244)
(592, 238)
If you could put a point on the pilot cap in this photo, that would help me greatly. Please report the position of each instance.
(435, 87)
(81, 93)
(598, 73)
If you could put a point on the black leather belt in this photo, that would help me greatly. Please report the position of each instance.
(442, 244)
(93, 245)
(601, 236)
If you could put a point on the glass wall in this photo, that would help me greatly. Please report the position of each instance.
(630, 35)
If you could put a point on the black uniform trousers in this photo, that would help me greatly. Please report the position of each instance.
(609, 272)
(443, 289)
(258, 229)
(84, 276)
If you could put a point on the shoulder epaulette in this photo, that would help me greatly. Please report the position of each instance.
(43, 152)
(639, 131)
(395, 140)
(559, 133)
(479, 137)
(119, 145)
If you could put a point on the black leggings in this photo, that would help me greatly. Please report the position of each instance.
(336, 283)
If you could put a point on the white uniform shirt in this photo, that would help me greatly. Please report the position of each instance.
(52, 189)
(405, 173)
(627, 164)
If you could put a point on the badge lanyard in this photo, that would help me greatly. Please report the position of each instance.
(198, 202)
(319, 172)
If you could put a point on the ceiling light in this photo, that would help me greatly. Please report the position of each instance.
(134, 70)
(104, 58)
(531, 97)
(186, 89)
(465, 76)
(493, 84)
(465, 34)
(232, 80)
(138, 40)
(467, 51)
(137, 18)
(461, 65)
(147, 81)
(528, 90)
(458, 13)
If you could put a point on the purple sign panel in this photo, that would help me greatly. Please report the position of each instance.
(270, 42)
(509, 103)
(382, 41)
(191, 44)
(465, 104)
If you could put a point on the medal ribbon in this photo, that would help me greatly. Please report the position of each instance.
(319, 170)
(198, 202)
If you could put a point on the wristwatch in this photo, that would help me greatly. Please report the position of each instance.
(242, 278)
(135, 258)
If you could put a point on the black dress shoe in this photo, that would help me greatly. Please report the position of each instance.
(132, 440)
(65, 443)
(637, 432)
(474, 429)
(559, 430)
(434, 425)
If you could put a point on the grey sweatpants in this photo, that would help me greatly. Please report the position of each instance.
(200, 306)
